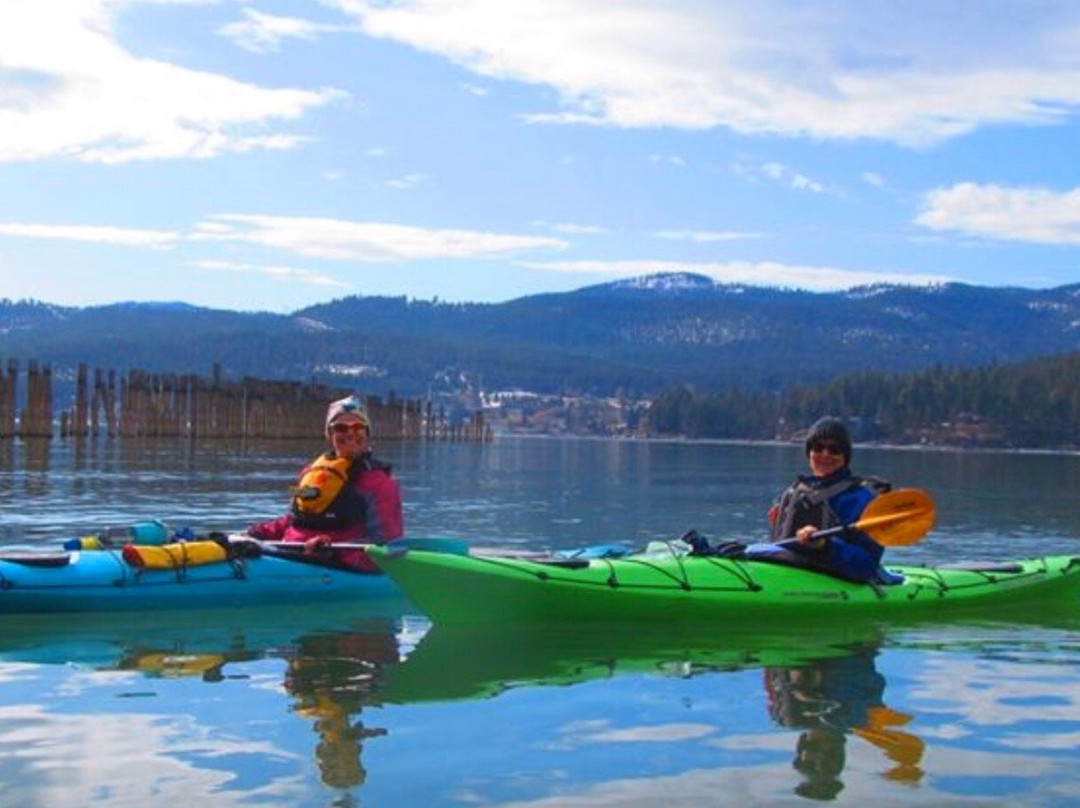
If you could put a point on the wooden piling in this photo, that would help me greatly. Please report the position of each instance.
(37, 416)
(80, 422)
(145, 405)
(8, 385)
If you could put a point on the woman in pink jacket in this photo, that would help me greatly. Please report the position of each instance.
(344, 495)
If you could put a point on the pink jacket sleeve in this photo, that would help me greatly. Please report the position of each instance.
(384, 514)
(274, 530)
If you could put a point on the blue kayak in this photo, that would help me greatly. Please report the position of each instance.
(106, 580)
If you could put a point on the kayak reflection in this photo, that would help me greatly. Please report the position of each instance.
(180, 643)
(829, 699)
(819, 681)
(462, 662)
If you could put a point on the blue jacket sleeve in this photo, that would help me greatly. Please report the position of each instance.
(852, 553)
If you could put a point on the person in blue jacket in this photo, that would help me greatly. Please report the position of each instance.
(830, 496)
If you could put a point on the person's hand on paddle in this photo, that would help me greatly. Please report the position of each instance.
(807, 536)
(316, 543)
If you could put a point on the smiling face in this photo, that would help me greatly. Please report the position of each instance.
(826, 457)
(348, 435)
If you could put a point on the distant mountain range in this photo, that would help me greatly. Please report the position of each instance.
(638, 337)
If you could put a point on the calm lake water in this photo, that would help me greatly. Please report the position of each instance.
(332, 707)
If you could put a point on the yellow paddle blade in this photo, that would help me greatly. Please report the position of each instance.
(898, 518)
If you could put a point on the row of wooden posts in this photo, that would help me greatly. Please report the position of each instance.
(141, 404)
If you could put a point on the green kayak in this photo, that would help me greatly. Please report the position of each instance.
(462, 588)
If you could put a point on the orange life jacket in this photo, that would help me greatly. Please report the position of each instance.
(320, 484)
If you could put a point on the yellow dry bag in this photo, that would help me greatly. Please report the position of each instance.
(172, 556)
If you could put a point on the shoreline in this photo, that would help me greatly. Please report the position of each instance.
(903, 447)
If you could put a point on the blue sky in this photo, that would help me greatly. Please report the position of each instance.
(270, 155)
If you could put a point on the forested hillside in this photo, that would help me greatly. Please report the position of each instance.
(635, 338)
(1034, 404)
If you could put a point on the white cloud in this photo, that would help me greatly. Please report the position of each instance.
(278, 273)
(785, 176)
(95, 234)
(760, 273)
(803, 183)
(364, 241)
(259, 32)
(913, 73)
(706, 236)
(774, 171)
(571, 229)
(1034, 215)
(68, 89)
(667, 160)
(408, 182)
(873, 178)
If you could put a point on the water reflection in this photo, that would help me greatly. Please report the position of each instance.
(36, 454)
(331, 677)
(823, 683)
(346, 700)
(332, 662)
(171, 644)
(36, 462)
(173, 663)
(826, 701)
(463, 662)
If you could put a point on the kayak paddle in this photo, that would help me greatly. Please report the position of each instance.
(896, 518)
(453, 546)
